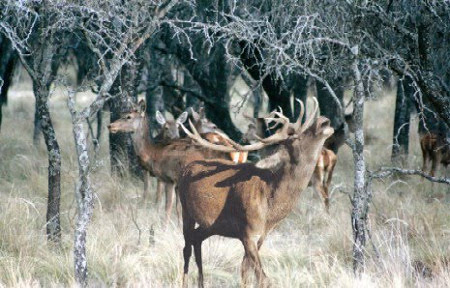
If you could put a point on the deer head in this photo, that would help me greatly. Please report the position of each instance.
(201, 123)
(170, 128)
(130, 121)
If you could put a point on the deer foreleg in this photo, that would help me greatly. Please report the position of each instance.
(159, 189)
(170, 196)
(318, 180)
(251, 252)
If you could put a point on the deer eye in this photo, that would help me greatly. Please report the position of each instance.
(128, 117)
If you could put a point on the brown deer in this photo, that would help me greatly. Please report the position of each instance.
(170, 130)
(323, 173)
(246, 201)
(435, 149)
(164, 160)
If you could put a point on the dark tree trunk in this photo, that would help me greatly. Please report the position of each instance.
(131, 77)
(7, 64)
(119, 142)
(330, 109)
(37, 125)
(191, 100)
(153, 95)
(300, 90)
(402, 118)
(54, 162)
(99, 125)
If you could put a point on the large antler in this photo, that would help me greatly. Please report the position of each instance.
(277, 137)
(205, 143)
(280, 135)
(311, 117)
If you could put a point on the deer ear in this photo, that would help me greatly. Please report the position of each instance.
(160, 118)
(182, 118)
(195, 115)
(141, 106)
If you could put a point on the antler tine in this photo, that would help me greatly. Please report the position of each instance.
(194, 135)
(310, 119)
(282, 119)
(298, 123)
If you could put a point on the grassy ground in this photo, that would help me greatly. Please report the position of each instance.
(409, 223)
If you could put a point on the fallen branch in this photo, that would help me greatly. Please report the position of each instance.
(386, 172)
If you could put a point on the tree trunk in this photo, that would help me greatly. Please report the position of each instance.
(402, 117)
(41, 94)
(83, 195)
(37, 125)
(330, 109)
(7, 64)
(131, 77)
(154, 100)
(119, 143)
(361, 195)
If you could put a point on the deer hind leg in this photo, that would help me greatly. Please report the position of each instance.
(198, 261)
(170, 197)
(318, 180)
(188, 228)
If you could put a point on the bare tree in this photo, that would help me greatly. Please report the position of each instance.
(36, 36)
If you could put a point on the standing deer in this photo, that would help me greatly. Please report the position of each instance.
(165, 160)
(323, 173)
(435, 148)
(246, 201)
(170, 130)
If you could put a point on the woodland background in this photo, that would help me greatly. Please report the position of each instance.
(384, 64)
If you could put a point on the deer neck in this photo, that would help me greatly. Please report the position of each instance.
(294, 176)
(141, 140)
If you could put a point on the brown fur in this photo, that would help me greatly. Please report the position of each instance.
(323, 174)
(434, 149)
(246, 201)
(166, 158)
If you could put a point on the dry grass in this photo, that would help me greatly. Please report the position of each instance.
(410, 229)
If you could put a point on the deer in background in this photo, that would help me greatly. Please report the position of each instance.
(435, 148)
(246, 201)
(323, 173)
(164, 160)
(170, 130)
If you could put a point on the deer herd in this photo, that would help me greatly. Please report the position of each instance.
(223, 194)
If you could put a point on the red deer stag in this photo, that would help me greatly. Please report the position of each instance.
(246, 201)
(164, 161)
(435, 148)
